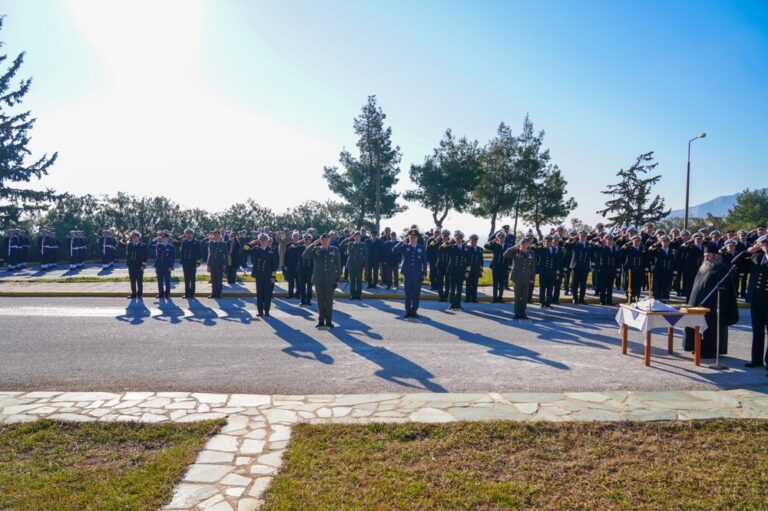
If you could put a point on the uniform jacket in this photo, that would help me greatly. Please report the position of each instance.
(523, 264)
(217, 253)
(189, 251)
(474, 259)
(136, 254)
(634, 259)
(662, 263)
(548, 260)
(581, 256)
(414, 259)
(357, 253)
(107, 244)
(327, 264)
(457, 259)
(165, 256)
(292, 256)
(265, 261)
(497, 249)
(757, 293)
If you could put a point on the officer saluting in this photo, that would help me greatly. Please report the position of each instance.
(165, 258)
(414, 270)
(325, 276)
(107, 248)
(357, 259)
(474, 255)
(523, 267)
(757, 296)
(189, 256)
(136, 258)
(499, 265)
(217, 260)
(265, 261)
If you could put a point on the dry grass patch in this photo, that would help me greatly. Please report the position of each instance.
(699, 465)
(49, 465)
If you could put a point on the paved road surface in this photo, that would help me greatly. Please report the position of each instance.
(103, 344)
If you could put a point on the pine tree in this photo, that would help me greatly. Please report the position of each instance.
(14, 138)
(530, 164)
(632, 203)
(750, 210)
(367, 183)
(446, 179)
(547, 202)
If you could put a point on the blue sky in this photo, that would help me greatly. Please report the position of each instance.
(213, 102)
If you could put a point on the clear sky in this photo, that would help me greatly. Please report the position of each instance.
(212, 102)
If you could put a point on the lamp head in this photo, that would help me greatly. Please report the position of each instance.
(703, 135)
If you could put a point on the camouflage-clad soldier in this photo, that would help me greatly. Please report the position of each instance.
(325, 276)
(357, 260)
(523, 263)
(218, 252)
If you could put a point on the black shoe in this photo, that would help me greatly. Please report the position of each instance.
(753, 364)
(167, 296)
(517, 316)
(330, 325)
(415, 316)
(259, 314)
(319, 325)
(266, 315)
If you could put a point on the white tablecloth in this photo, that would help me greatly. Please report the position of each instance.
(640, 320)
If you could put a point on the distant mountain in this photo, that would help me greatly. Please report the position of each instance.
(718, 206)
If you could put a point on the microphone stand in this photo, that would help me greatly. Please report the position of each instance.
(719, 287)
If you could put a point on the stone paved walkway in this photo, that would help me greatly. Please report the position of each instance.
(238, 464)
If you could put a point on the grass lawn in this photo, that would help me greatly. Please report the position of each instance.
(700, 465)
(48, 465)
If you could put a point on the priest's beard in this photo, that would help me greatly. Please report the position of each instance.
(707, 267)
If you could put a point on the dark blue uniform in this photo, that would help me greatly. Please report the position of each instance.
(291, 269)
(136, 259)
(165, 259)
(189, 256)
(548, 267)
(499, 268)
(264, 271)
(475, 263)
(581, 262)
(457, 271)
(663, 263)
(414, 270)
(607, 262)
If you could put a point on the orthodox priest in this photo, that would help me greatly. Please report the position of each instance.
(711, 272)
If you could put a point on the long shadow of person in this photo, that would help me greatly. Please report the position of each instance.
(169, 311)
(135, 313)
(200, 313)
(234, 309)
(292, 309)
(105, 271)
(301, 345)
(394, 368)
(349, 324)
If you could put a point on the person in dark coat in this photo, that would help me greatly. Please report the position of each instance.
(165, 259)
(233, 261)
(548, 268)
(217, 262)
(136, 259)
(608, 260)
(265, 260)
(708, 277)
(414, 270)
(499, 265)
(305, 269)
(475, 264)
(293, 251)
(189, 257)
(458, 269)
(663, 260)
(757, 296)
(581, 262)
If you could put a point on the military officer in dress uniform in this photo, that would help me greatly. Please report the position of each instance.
(457, 269)
(12, 249)
(433, 246)
(306, 269)
(607, 264)
(580, 264)
(165, 259)
(548, 268)
(189, 257)
(107, 248)
(743, 263)
(218, 251)
(325, 276)
(293, 251)
(523, 262)
(474, 254)
(136, 260)
(265, 260)
(662, 259)
(634, 263)
(757, 296)
(499, 265)
(443, 257)
(357, 260)
(414, 270)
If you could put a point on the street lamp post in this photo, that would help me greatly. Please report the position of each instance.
(688, 179)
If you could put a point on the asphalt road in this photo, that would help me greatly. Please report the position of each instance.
(220, 346)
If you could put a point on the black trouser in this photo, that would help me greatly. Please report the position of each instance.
(759, 313)
(392, 271)
(433, 276)
(499, 275)
(743, 280)
(579, 286)
(386, 275)
(136, 276)
(291, 277)
(305, 286)
(606, 280)
(442, 283)
(217, 276)
(546, 287)
(456, 283)
(232, 273)
(263, 294)
(567, 281)
(190, 276)
(472, 280)
(556, 293)
(634, 282)
(662, 285)
(373, 274)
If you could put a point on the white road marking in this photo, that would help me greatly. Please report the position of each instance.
(149, 311)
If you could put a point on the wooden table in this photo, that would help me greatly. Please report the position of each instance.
(646, 321)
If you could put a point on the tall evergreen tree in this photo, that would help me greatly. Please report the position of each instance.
(446, 179)
(547, 202)
(14, 138)
(495, 195)
(632, 203)
(367, 182)
(529, 166)
(750, 210)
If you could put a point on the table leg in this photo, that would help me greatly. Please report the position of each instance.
(624, 335)
(697, 346)
(670, 340)
(648, 348)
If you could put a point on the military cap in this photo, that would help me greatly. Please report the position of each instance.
(548, 237)
(583, 231)
(307, 236)
(599, 224)
(730, 242)
(445, 232)
(674, 230)
(742, 232)
(648, 224)
(685, 232)
(413, 232)
(631, 228)
(760, 227)
(357, 233)
(711, 249)
(458, 234)
(325, 236)
(505, 226)
(762, 239)
(135, 233)
(660, 231)
(635, 237)
(188, 230)
(664, 238)
(474, 237)
(698, 235)
(715, 233)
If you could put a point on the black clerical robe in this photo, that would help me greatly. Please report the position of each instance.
(729, 312)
